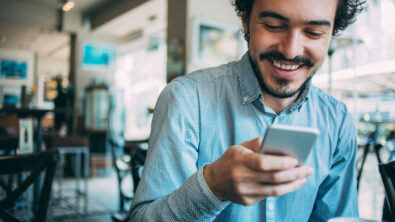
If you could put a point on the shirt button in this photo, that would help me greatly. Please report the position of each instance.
(271, 206)
(245, 99)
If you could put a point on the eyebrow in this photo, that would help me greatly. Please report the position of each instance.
(272, 14)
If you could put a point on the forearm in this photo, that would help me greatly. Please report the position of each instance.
(193, 201)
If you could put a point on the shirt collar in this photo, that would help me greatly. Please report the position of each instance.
(250, 89)
(301, 99)
(249, 86)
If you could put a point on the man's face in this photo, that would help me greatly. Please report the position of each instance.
(289, 40)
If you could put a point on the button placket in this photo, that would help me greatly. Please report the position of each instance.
(275, 120)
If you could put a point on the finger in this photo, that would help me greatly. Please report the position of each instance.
(275, 177)
(264, 190)
(265, 162)
(284, 176)
(259, 189)
(253, 144)
(281, 189)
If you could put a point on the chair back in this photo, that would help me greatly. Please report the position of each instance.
(54, 140)
(35, 163)
(129, 160)
(387, 172)
(138, 156)
(8, 145)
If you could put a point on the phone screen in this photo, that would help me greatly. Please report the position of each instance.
(289, 140)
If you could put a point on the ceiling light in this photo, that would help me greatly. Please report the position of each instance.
(67, 5)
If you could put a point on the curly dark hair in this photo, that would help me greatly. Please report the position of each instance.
(346, 12)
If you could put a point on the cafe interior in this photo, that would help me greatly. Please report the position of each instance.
(80, 78)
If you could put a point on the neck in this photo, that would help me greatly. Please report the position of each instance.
(278, 104)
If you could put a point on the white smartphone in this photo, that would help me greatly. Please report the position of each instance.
(289, 140)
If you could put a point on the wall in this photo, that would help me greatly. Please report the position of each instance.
(220, 11)
(52, 66)
(74, 23)
(11, 86)
(26, 27)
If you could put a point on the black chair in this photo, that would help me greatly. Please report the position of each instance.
(127, 163)
(138, 155)
(8, 145)
(35, 163)
(371, 145)
(387, 172)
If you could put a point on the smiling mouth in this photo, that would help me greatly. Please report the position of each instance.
(284, 66)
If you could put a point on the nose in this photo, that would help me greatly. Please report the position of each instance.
(291, 45)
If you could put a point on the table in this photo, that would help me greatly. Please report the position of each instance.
(350, 219)
(78, 152)
(37, 114)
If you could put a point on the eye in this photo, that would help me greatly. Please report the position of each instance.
(315, 34)
(273, 27)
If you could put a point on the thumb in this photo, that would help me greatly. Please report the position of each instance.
(253, 144)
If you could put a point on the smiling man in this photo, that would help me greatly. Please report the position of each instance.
(203, 163)
(287, 44)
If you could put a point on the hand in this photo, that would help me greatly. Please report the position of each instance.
(244, 176)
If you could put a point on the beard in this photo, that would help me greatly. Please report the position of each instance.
(281, 90)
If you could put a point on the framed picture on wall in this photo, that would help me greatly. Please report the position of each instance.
(97, 57)
(47, 92)
(13, 69)
(215, 43)
(16, 68)
(10, 96)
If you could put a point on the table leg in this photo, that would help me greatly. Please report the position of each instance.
(36, 188)
(78, 180)
(86, 177)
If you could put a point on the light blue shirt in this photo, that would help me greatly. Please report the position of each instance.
(198, 116)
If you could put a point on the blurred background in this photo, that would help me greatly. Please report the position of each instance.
(87, 74)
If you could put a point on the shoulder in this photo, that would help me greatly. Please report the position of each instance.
(334, 113)
(187, 88)
(207, 75)
(327, 102)
(204, 83)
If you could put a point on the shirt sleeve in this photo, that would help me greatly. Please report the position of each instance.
(337, 195)
(171, 187)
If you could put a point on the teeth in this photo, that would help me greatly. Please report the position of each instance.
(285, 67)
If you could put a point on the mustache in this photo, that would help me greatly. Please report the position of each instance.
(274, 55)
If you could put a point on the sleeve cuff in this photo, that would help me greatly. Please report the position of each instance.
(207, 191)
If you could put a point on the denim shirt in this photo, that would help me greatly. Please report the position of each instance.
(198, 116)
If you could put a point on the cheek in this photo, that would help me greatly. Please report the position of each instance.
(262, 41)
(318, 52)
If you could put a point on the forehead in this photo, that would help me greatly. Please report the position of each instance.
(298, 10)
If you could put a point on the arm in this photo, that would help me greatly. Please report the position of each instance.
(337, 195)
(171, 187)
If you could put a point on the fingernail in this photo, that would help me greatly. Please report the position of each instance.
(310, 170)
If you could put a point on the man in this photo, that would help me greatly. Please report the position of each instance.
(195, 172)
